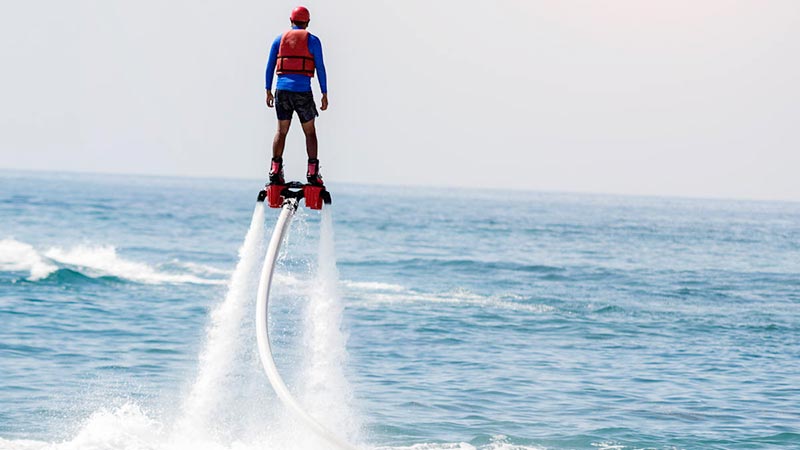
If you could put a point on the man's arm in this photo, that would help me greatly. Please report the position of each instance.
(272, 61)
(315, 47)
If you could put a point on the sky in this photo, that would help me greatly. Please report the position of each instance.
(676, 98)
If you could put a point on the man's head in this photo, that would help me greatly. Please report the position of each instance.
(300, 17)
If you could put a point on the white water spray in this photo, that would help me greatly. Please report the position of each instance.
(215, 389)
(326, 387)
(230, 405)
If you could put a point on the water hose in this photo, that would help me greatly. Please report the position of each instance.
(262, 330)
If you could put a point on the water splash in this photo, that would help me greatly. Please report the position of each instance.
(229, 404)
(327, 391)
(214, 394)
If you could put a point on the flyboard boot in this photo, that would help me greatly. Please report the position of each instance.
(279, 191)
(275, 184)
(312, 175)
(276, 171)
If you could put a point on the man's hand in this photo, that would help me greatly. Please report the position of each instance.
(324, 105)
(270, 99)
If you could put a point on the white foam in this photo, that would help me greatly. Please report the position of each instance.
(126, 427)
(376, 292)
(372, 286)
(92, 261)
(497, 443)
(463, 297)
(23, 444)
(201, 269)
(391, 293)
(130, 428)
(96, 261)
(18, 256)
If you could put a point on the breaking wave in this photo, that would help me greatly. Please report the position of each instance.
(95, 261)
(18, 256)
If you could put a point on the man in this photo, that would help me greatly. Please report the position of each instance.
(295, 55)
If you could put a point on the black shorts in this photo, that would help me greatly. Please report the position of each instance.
(287, 102)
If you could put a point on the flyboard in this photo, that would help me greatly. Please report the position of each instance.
(286, 197)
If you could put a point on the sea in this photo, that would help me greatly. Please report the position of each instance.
(451, 319)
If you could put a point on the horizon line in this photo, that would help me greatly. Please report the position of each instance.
(412, 186)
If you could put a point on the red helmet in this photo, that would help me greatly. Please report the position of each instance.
(300, 14)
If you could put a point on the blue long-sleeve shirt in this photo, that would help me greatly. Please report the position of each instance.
(296, 82)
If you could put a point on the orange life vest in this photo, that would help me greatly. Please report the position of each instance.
(293, 54)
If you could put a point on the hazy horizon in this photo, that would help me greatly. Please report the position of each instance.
(257, 181)
(674, 99)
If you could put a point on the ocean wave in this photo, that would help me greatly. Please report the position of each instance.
(18, 256)
(60, 276)
(93, 262)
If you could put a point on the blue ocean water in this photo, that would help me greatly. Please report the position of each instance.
(471, 319)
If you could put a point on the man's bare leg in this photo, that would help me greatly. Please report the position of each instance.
(278, 144)
(312, 175)
(311, 138)
(280, 138)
